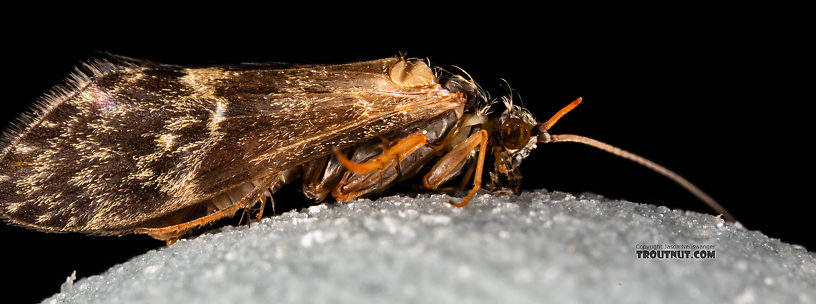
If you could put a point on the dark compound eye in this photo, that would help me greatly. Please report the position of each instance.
(515, 134)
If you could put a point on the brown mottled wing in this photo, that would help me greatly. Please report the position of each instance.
(131, 143)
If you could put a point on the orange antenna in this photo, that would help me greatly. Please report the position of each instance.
(543, 127)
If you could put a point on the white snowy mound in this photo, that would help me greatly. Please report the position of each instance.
(537, 247)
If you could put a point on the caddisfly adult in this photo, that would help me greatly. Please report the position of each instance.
(133, 146)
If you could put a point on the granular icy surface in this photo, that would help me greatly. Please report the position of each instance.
(548, 247)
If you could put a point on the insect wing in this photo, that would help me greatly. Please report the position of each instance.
(129, 143)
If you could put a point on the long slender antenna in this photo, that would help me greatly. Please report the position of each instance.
(648, 164)
(541, 129)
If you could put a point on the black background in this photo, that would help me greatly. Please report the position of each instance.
(718, 100)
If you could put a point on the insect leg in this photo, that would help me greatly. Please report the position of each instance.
(271, 199)
(463, 183)
(263, 204)
(466, 178)
(394, 154)
(355, 185)
(172, 233)
(377, 172)
(245, 214)
(453, 159)
(248, 211)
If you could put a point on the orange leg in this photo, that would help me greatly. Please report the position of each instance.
(445, 166)
(394, 154)
(470, 170)
(248, 211)
(172, 233)
(262, 200)
(376, 170)
(451, 161)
